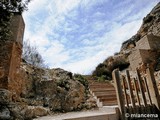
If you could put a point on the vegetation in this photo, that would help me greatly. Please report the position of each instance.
(32, 56)
(63, 83)
(102, 78)
(81, 79)
(7, 8)
(104, 70)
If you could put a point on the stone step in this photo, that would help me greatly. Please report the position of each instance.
(103, 84)
(107, 97)
(102, 90)
(100, 83)
(110, 103)
(105, 94)
(96, 87)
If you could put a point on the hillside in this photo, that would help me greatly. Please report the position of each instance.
(150, 25)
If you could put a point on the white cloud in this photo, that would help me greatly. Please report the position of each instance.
(100, 25)
(55, 55)
(86, 65)
(79, 53)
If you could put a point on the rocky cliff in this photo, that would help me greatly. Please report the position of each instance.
(150, 25)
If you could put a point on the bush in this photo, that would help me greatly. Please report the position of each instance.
(81, 79)
(102, 78)
(63, 84)
(105, 69)
(102, 70)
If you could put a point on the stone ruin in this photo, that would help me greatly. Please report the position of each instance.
(145, 52)
(10, 58)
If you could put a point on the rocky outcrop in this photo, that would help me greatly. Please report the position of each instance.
(45, 91)
(55, 88)
(150, 25)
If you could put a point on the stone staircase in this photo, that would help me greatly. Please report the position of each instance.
(104, 92)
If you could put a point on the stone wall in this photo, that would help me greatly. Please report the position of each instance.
(10, 57)
(5, 57)
(139, 57)
(145, 52)
(149, 42)
(17, 28)
(10, 67)
(15, 83)
(135, 59)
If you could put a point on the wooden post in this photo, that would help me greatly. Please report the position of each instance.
(149, 96)
(125, 92)
(153, 89)
(141, 88)
(136, 90)
(130, 89)
(119, 93)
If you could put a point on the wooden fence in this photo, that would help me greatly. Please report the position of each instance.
(137, 96)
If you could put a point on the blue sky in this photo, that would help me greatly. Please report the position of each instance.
(77, 35)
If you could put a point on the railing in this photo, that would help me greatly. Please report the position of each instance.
(136, 95)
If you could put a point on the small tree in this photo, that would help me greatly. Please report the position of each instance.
(31, 55)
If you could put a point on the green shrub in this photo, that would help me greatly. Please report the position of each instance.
(102, 78)
(81, 79)
(63, 83)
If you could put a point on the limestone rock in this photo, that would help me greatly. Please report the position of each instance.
(68, 99)
(17, 111)
(5, 96)
(4, 113)
(53, 88)
(35, 111)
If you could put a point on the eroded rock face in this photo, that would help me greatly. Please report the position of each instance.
(68, 98)
(35, 111)
(150, 25)
(4, 113)
(54, 88)
(5, 97)
(43, 90)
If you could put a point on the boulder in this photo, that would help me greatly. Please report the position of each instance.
(5, 96)
(4, 113)
(17, 111)
(35, 111)
(68, 98)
